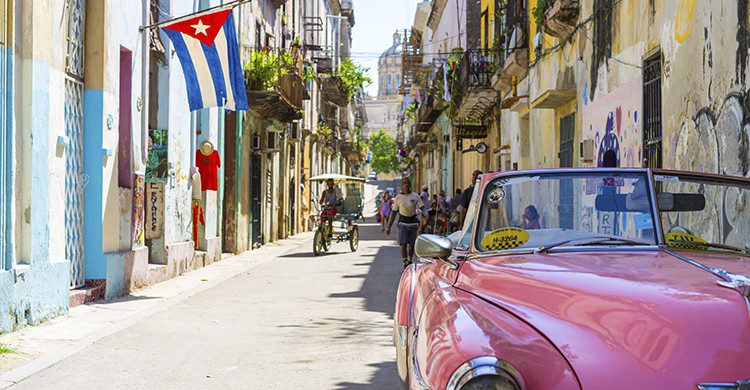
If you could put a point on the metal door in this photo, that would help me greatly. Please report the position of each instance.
(567, 138)
(74, 177)
(652, 112)
(255, 198)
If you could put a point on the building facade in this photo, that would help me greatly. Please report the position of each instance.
(103, 194)
(584, 83)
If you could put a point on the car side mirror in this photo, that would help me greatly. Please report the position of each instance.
(432, 246)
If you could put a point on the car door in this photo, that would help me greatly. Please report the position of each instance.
(434, 276)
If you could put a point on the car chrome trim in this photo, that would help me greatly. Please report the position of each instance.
(413, 285)
(739, 385)
(417, 374)
(402, 333)
(739, 283)
(656, 216)
(482, 366)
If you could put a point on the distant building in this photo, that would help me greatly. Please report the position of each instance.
(384, 109)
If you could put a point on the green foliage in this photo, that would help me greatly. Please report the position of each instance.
(6, 350)
(384, 151)
(266, 67)
(324, 131)
(411, 111)
(537, 13)
(353, 77)
(307, 73)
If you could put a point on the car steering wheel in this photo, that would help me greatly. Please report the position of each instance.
(680, 229)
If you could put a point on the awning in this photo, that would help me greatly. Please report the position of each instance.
(336, 178)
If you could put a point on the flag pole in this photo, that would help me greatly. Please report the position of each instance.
(231, 4)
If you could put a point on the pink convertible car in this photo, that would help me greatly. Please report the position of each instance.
(584, 279)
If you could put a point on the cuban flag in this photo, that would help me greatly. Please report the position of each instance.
(207, 48)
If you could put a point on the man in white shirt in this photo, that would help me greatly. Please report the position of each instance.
(407, 206)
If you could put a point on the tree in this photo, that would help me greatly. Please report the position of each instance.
(384, 151)
(353, 78)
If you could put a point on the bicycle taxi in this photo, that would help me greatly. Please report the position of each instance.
(337, 222)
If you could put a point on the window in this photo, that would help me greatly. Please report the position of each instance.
(652, 112)
(602, 38)
(258, 35)
(610, 205)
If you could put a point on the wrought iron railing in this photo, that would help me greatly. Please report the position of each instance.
(475, 71)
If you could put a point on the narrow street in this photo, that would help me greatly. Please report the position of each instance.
(295, 321)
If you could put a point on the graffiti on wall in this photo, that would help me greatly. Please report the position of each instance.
(138, 210)
(156, 166)
(612, 121)
(154, 209)
(715, 142)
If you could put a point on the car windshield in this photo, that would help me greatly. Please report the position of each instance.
(566, 209)
(702, 213)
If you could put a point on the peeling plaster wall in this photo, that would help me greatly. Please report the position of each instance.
(35, 288)
(704, 83)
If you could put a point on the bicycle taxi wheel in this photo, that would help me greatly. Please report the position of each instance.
(320, 244)
(354, 238)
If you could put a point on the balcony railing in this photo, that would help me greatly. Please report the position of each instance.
(475, 72)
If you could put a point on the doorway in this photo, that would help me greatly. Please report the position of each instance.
(256, 177)
(567, 138)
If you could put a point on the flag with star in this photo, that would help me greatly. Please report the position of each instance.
(206, 45)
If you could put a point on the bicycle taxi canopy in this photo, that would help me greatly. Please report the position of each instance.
(336, 178)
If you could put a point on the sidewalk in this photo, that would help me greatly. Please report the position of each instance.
(38, 347)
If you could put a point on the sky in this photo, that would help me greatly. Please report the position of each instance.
(375, 23)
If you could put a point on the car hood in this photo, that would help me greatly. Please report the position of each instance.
(647, 317)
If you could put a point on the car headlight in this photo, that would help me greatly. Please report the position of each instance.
(485, 373)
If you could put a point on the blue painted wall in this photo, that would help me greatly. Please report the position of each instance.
(95, 263)
(32, 293)
(6, 157)
(40, 127)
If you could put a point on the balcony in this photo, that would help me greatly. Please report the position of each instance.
(313, 27)
(473, 87)
(324, 59)
(514, 64)
(331, 89)
(281, 98)
(561, 17)
(412, 69)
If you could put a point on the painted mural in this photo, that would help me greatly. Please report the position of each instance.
(613, 122)
(715, 141)
(156, 166)
(154, 209)
(139, 189)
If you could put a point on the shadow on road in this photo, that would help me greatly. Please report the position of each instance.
(381, 281)
(386, 377)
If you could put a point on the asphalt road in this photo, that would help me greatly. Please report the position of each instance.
(294, 322)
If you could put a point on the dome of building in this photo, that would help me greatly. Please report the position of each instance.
(395, 48)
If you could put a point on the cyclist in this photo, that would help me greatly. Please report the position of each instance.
(331, 199)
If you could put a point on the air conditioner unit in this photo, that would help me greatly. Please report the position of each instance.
(586, 150)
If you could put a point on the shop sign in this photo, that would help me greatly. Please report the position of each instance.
(471, 131)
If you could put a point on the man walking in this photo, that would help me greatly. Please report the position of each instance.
(407, 206)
